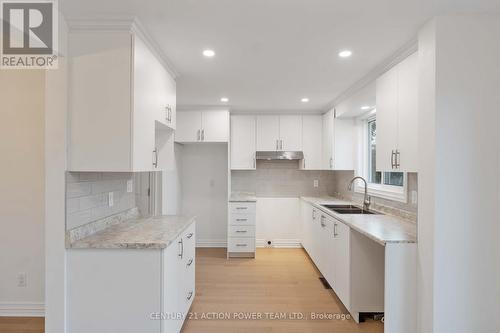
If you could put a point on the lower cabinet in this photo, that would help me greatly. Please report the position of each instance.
(131, 290)
(241, 229)
(352, 264)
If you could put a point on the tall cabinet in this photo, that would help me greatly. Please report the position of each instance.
(397, 122)
(120, 92)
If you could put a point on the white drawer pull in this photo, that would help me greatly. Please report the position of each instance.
(242, 245)
(189, 262)
(189, 235)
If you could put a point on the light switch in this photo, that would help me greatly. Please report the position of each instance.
(110, 199)
(316, 183)
(130, 186)
(414, 197)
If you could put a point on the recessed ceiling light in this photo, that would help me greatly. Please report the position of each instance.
(208, 53)
(366, 107)
(304, 100)
(345, 53)
(224, 99)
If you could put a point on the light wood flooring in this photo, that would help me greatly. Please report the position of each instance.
(278, 281)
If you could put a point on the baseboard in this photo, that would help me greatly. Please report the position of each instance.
(211, 243)
(280, 243)
(22, 309)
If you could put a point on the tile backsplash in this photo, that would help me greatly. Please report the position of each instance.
(87, 196)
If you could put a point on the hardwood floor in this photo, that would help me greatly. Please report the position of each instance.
(277, 281)
(21, 325)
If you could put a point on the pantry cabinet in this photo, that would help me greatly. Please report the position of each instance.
(279, 133)
(243, 142)
(202, 126)
(118, 90)
(397, 94)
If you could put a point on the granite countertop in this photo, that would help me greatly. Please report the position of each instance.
(156, 232)
(242, 197)
(381, 228)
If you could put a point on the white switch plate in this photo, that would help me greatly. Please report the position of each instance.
(316, 183)
(130, 186)
(110, 199)
(21, 280)
(414, 197)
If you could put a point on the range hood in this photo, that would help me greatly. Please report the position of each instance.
(279, 155)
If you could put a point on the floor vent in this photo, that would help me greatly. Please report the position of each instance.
(325, 283)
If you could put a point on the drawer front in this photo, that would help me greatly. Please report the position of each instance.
(242, 231)
(241, 244)
(242, 207)
(242, 219)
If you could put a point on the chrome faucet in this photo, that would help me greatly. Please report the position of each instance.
(366, 201)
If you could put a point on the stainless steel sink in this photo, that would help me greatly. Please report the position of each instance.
(348, 209)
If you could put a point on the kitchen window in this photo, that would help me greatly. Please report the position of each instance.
(388, 185)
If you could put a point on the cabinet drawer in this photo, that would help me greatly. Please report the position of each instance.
(241, 244)
(242, 231)
(242, 219)
(242, 207)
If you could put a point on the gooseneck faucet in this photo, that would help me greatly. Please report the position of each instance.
(366, 201)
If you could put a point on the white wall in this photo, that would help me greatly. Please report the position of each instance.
(459, 278)
(204, 178)
(22, 96)
(278, 221)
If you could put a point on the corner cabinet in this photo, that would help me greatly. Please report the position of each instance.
(119, 92)
(202, 126)
(397, 117)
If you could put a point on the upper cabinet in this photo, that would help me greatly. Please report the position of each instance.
(338, 142)
(312, 128)
(243, 142)
(279, 133)
(397, 94)
(118, 90)
(202, 126)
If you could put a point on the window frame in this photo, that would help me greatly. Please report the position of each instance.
(390, 192)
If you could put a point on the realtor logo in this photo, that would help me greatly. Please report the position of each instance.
(29, 34)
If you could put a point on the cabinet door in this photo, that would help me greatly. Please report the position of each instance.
(268, 131)
(327, 141)
(306, 217)
(312, 127)
(342, 263)
(242, 142)
(291, 133)
(387, 118)
(188, 126)
(215, 126)
(344, 144)
(408, 114)
(172, 282)
(147, 106)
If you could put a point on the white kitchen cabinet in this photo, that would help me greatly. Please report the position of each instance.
(118, 89)
(279, 133)
(338, 142)
(241, 240)
(202, 126)
(341, 262)
(123, 290)
(397, 125)
(312, 128)
(243, 142)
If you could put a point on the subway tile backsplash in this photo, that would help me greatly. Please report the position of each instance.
(87, 196)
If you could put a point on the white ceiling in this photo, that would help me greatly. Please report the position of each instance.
(271, 53)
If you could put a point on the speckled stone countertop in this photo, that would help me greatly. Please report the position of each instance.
(242, 197)
(156, 232)
(381, 228)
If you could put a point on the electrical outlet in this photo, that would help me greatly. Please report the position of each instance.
(130, 186)
(316, 183)
(110, 199)
(21, 280)
(414, 197)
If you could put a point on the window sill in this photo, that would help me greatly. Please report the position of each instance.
(394, 193)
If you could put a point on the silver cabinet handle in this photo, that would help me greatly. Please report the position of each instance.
(392, 159)
(189, 262)
(240, 208)
(397, 165)
(304, 163)
(277, 146)
(335, 234)
(281, 144)
(241, 220)
(313, 214)
(181, 243)
(155, 160)
(241, 245)
(202, 135)
(331, 162)
(189, 235)
(190, 295)
(323, 224)
(241, 231)
(198, 135)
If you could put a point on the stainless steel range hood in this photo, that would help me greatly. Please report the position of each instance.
(279, 155)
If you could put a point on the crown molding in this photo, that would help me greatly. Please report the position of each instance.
(130, 24)
(409, 48)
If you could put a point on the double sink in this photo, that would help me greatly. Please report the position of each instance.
(348, 209)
